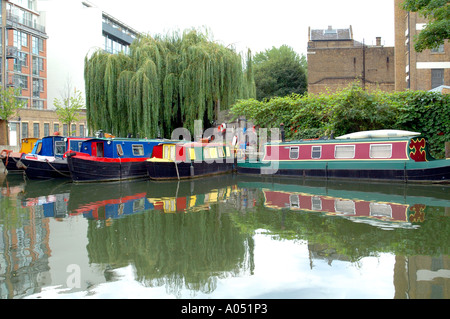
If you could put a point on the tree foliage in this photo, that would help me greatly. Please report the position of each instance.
(68, 108)
(352, 110)
(279, 72)
(164, 83)
(9, 104)
(437, 29)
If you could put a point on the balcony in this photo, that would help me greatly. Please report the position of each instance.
(12, 52)
(16, 22)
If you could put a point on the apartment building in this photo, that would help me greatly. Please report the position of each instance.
(417, 70)
(336, 59)
(44, 44)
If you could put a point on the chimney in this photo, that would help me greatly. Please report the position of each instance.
(378, 41)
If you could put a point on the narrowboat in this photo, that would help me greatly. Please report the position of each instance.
(110, 159)
(49, 161)
(183, 160)
(385, 155)
(11, 158)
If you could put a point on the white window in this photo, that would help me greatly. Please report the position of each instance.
(293, 152)
(380, 151)
(344, 151)
(316, 152)
(138, 149)
(60, 147)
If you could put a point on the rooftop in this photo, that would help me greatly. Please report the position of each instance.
(331, 34)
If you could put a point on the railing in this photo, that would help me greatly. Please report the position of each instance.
(12, 19)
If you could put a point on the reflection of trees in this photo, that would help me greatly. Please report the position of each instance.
(352, 239)
(179, 250)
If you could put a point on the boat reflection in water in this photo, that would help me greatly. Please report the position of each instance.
(189, 238)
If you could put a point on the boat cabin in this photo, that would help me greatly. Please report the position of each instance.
(191, 151)
(57, 145)
(118, 148)
(399, 148)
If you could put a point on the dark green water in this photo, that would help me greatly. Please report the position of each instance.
(224, 237)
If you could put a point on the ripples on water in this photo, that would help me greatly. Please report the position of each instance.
(223, 237)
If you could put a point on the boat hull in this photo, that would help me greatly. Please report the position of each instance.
(11, 164)
(103, 170)
(185, 170)
(437, 171)
(44, 169)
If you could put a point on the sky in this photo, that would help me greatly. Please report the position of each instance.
(257, 24)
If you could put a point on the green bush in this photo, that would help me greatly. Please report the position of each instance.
(352, 110)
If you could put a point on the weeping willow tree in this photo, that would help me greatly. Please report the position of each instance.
(164, 83)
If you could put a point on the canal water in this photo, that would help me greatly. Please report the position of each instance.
(224, 237)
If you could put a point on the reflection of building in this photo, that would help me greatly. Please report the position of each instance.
(413, 70)
(24, 245)
(422, 277)
(336, 60)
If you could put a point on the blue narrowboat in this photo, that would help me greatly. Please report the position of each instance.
(47, 159)
(110, 159)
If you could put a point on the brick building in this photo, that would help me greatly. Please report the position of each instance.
(36, 35)
(417, 70)
(336, 60)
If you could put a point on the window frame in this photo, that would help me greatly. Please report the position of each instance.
(380, 157)
(292, 148)
(320, 151)
(137, 147)
(342, 146)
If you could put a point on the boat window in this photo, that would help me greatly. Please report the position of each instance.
(344, 151)
(345, 206)
(228, 151)
(316, 152)
(75, 145)
(293, 152)
(220, 151)
(294, 201)
(169, 152)
(192, 153)
(380, 210)
(119, 149)
(60, 147)
(206, 153)
(380, 151)
(99, 148)
(213, 152)
(316, 203)
(138, 149)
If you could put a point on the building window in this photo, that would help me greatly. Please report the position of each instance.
(81, 130)
(38, 104)
(37, 45)
(24, 129)
(46, 129)
(36, 130)
(439, 49)
(73, 130)
(38, 87)
(437, 78)
(38, 65)
(65, 129)
(55, 127)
